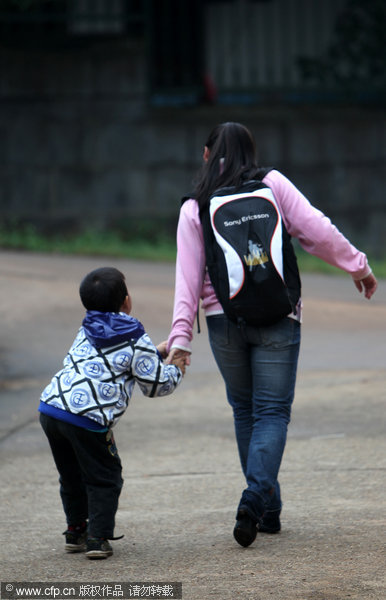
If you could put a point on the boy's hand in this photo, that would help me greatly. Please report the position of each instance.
(162, 349)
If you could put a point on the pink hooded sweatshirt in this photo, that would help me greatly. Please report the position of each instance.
(315, 232)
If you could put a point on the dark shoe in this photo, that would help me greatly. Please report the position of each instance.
(98, 548)
(76, 536)
(245, 530)
(270, 523)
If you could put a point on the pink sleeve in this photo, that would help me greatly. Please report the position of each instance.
(315, 232)
(190, 271)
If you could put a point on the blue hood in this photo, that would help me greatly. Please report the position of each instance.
(108, 329)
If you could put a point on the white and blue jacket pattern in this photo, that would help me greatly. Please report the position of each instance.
(111, 352)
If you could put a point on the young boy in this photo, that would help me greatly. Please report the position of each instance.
(86, 398)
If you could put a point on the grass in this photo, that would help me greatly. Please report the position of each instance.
(90, 243)
(161, 248)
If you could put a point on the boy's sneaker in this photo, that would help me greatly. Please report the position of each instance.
(76, 536)
(98, 548)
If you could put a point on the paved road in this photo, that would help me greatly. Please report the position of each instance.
(182, 478)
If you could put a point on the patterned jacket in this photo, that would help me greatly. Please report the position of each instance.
(111, 352)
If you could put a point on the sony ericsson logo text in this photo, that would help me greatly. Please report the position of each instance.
(245, 219)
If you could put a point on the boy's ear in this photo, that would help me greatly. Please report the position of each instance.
(126, 306)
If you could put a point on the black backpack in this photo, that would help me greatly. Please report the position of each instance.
(249, 254)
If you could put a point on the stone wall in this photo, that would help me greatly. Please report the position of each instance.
(81, 147)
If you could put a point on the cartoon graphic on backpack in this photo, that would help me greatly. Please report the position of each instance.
(249, 254)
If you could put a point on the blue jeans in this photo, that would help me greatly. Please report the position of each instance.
(258, 365)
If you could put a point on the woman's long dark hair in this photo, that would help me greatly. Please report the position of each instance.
(232, 160)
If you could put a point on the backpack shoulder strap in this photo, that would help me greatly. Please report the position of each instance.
(262, 172)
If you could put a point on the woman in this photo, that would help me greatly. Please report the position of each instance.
(258, 364)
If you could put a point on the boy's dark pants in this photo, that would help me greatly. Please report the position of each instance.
(90, 474)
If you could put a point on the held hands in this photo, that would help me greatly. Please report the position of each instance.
(368, 284)
(178, 361)
(177, 353)
(177, 357)
(180, 358)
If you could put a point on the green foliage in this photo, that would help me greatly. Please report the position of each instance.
(89, 242)
(138, 245)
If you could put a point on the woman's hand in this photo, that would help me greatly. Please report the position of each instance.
(179, 362)
(368, 284)
(177, 353)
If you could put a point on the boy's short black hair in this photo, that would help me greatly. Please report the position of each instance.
(104, 290)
